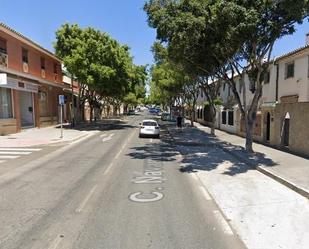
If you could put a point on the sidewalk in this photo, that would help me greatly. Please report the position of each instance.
(288, 169)
(262, 211)
(51, 135)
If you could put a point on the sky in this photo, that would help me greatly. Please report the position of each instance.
(123, 20)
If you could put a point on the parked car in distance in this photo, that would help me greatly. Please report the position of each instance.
(131, 112)
(149, 128)
(165, 116)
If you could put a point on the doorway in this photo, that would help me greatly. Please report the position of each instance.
(286, 130)
(26, 109)
(267, 127)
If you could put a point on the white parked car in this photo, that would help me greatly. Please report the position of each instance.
(149, 127)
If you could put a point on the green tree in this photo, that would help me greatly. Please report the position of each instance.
(218, 37)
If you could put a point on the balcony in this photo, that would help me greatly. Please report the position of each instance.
(3, 59)
(25, 67)
(43, 75)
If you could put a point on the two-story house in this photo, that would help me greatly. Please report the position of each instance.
(30, 82)
(283, 110)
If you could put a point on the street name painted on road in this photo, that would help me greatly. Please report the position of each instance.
(153, 174)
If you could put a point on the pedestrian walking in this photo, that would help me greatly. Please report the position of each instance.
(179, 122)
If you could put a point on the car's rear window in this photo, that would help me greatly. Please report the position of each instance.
(149, 123)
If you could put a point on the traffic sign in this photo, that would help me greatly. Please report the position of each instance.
(61, 99)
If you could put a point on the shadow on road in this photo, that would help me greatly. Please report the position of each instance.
(203, 151)
(162, 151)
(104, 125)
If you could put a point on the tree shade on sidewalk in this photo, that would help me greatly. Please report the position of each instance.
(264, 213)
(291, 170)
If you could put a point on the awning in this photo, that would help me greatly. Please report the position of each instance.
(23, 85)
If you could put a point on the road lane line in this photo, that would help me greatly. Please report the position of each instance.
(225, 226)
(108, 168)
(205, 193)
(119, 152)
(56, 242)
(103, 135)
(15, 152)
(9, 157)
(19, 149)
(83, 204)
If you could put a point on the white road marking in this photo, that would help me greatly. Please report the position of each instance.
(108, 138)
(2, 161)
(103, 135)
(15, 152)
(19, 149)
(9, 157)
(225, 226)
(108, 169)
(205, 193)
(195, 177)
(83, 204)
(56, 242)
(119, 152)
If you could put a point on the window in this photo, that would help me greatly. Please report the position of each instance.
(42, 63)
(289, 70)
(5, 103)
(25, 55)
(224, 117)
(2, 46)
(202, 93)
(267, 77)
(230, 118)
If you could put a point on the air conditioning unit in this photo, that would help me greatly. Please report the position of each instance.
(25, 67)
(3, 59)
(43, 73)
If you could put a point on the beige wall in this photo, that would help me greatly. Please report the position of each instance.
(8, 126)
(299, 129)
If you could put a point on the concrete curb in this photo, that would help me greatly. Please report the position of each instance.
(269, 173)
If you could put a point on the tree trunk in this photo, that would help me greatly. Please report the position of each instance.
(213, 121)
(192, 117)
(249, 133)
(91, 113)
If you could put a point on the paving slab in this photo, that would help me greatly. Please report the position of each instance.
(288, 169)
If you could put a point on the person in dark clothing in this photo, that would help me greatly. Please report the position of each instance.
(179, 121)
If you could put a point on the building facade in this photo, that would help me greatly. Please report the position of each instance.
(30, 83)
(283, 111)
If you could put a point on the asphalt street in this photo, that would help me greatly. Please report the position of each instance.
(112, 190)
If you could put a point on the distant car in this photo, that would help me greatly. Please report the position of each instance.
(165, 116)
(131, 112)
(149, 127)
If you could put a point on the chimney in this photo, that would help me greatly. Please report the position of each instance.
(307, 39)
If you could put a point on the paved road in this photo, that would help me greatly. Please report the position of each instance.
(112, 191)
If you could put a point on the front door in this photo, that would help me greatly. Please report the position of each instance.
(26, 109)
(268, 127)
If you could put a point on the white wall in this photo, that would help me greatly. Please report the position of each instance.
(298, 85)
